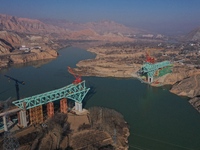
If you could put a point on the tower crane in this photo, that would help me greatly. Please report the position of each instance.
(17, 82)
(77, 77)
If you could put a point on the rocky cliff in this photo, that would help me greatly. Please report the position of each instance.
(189, 87)
(180, 73)
(10, 38)
(5, 48)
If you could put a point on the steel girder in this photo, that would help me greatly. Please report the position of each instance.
(151, 68)
(75, 92)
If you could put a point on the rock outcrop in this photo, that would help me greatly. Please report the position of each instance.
(195, 102)
(5, 48)
(12, 39)
(180, 73)
(189, 87)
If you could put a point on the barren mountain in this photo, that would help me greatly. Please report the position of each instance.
(11, 38)
(194, 35)
(104, 30)
(100, 27)
(111, 26)
(5, 47)
(25, 25)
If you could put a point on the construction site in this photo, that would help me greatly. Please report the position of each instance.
(45, 121)
(151, 70)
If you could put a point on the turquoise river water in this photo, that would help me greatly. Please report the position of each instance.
(158, 119)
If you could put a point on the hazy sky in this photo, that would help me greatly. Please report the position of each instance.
(155, 15)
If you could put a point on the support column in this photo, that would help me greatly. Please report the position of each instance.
(150, 79)
(76, 106)
(63, 106)
(5, 123)
(22, 118)
(50, 109)
(80, 107)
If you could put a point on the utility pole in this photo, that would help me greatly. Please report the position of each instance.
(17, 82)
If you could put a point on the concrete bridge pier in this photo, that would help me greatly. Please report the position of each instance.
(78, 106)
(150, 79)
(22, 120)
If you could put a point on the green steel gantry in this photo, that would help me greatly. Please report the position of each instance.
(75, 92)
(150, 69)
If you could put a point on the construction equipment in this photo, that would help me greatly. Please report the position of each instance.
(16, 84)
(77, 77)
(149, 59)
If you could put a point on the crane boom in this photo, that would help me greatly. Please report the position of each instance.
(11, 78)
(17, 82)
(77, 77)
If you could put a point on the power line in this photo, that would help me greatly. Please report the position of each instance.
(138, 147)
(163, 142)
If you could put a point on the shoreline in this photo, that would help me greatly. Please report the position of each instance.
(110, 65)
(103, 65)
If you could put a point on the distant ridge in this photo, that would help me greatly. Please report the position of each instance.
(25, 25)
(194, 35)
(65, 30)
(100, 27)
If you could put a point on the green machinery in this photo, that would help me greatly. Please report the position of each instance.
(150, 69)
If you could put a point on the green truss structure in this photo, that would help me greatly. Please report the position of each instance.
(150, 69)
(75, 92)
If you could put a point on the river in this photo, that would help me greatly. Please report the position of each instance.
(158, 119)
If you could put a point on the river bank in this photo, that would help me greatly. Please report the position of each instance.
(20, 57)
(124, 63)
(157, 119)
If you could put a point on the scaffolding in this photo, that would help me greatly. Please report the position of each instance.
(50, 109)
(63, 106)
(36, 115)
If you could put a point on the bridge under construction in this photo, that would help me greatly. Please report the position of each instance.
(152, 70)
(149, 71)
(30, 109)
